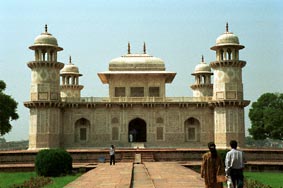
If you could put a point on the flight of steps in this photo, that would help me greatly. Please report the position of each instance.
(128, 157)
(147, 157)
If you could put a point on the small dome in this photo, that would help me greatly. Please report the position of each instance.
(227, 38)
(45, 39)
(202, 67)
(70, 68)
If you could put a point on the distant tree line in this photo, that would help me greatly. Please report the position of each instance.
(13, 145)
(266, 115)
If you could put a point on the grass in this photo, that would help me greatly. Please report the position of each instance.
(60, 182)
(7, 179)
(275, 180)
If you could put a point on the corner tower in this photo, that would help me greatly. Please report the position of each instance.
(44, 101)
(228, 92)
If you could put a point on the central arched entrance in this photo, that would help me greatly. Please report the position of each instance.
(137, 130)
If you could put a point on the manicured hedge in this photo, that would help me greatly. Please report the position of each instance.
(53, 162)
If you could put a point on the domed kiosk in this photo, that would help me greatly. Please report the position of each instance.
(70, 81)
(136, 75)
(202, 86)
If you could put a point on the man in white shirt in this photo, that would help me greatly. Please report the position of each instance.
(112, 155)
(234, 165)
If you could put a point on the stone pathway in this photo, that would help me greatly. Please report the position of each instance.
(173, 175)
(141, 177)
(105, 176)
(147, 175)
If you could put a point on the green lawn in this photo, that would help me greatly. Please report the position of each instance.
(7, 179)
(275, 180)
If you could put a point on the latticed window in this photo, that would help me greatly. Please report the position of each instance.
(120, 92)
(82, 134)
(137, 92)
(159, 120)
(192, 133)
(115, 133)
(159, 133)
(154, 92)
(114, 120)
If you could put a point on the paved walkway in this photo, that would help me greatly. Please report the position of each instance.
(147, 175)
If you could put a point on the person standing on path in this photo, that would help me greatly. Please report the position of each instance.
(234, 165)
(112, 155)
(211, 167)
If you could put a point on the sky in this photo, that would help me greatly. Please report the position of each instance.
(177, 31)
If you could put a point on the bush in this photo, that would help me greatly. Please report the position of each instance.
(53, 162)
(222, 154)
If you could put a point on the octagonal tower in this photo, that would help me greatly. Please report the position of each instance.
(228, 100)
(44, 93)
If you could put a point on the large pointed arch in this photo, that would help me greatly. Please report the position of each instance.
(137, 130)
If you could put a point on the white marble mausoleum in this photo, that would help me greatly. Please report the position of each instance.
(137, 110)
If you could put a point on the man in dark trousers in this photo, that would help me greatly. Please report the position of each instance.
(234, 165)
(112, 155)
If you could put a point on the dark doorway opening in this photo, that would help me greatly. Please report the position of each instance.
(137, 130)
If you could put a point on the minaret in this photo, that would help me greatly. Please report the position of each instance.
(70, 81)
(228, 99)
(202, 86)
(44, 101)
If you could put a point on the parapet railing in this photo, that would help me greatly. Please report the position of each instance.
(136, 99)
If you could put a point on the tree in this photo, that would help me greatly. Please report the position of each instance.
(266, 115)
(8, 108)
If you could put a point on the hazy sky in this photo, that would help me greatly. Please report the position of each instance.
(177, 31)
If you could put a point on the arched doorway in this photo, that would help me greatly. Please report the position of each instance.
(137, 130)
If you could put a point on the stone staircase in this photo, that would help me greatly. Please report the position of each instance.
(128, 157)
(147, 157)
(137, 145)
(137, 157)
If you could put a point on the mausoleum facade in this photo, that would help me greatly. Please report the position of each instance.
(137, 111)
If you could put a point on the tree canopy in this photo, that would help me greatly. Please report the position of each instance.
(8, 108)
(266, 115)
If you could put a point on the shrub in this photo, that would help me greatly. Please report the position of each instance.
(53, 162)
(222, 154)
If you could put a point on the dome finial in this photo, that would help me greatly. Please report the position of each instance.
(129, 48)
(144, 48)
(46, 28)
(227, 27)
(202, 58)
(70, 59)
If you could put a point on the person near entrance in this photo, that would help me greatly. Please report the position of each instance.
(112, 155)
(211, 167)
(234, 165)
